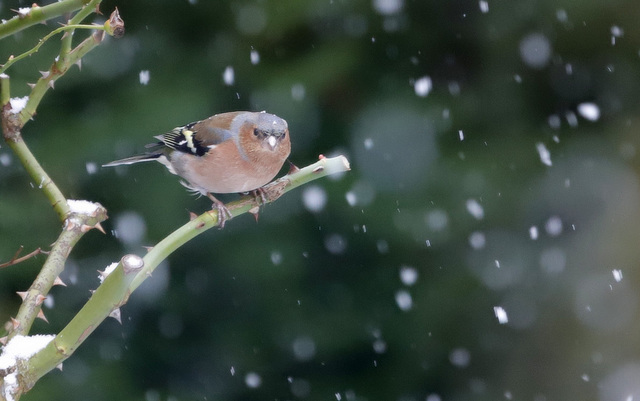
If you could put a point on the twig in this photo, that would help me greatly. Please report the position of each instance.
(15, 260)
(14, 59)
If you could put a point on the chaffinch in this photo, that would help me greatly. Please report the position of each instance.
(230, 152)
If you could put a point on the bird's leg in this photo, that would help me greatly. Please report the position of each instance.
(223, 213)
(259, 196)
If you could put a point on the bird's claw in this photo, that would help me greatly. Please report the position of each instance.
(224, 213)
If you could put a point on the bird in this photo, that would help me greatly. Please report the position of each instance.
(231, 152)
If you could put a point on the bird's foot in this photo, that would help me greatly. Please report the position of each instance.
(259, 196)
(223, 212)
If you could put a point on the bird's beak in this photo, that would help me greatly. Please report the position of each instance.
(272, 141)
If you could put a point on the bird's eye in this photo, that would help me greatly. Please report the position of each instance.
(256, 132)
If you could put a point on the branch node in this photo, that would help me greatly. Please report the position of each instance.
(132, 263)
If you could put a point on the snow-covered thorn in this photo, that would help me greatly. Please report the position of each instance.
(58, 281)
(45, 74)
(40, 299)
(116, 315)
(22, 294)
(31, 85)
(14, 323)
(41, 316)
(102, 274)
(23, 12)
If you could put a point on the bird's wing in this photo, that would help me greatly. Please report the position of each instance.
(199, 137)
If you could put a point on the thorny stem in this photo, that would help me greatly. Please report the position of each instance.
(37, 15)
(248, 203)
(116, 289)
(14, 59)
(76, 225)
(65, 47)
(113, 26)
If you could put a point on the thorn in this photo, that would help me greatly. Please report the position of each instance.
(65, 34)
(321, 157)
(254, 212)
(45, 74)
(148, 248)
(98, 36)
(15, 323)
(192, 216)
(50, 84)
(41, 316)
(98, 227)
(59, 367)
(98, 10)
(31, 85)
(3, 340)
(102, 274)
(292, 168)
(116, 315)
(58, 281)
(22, 294)
(79, 63)
(318, 169)
(40, 299)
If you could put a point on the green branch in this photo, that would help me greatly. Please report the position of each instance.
(38, 15)
(41, 179)
(76, 225)
(114, 26)
(33, 50)
(116, 288)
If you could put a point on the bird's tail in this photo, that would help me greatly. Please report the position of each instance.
(134, 159)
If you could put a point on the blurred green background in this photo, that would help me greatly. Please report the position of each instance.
(483, 247)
